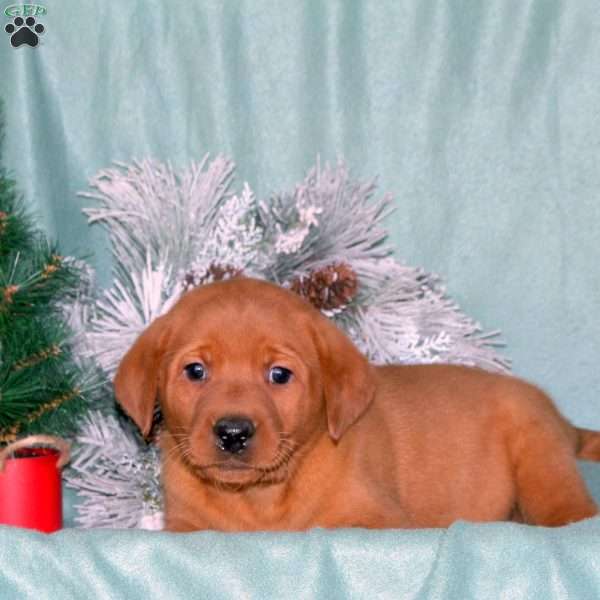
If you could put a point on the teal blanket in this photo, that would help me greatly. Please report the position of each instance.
(487, 562)
(465, 561)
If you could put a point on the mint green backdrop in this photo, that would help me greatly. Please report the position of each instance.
(482, 118)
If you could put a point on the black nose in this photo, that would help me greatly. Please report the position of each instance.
(233, 433)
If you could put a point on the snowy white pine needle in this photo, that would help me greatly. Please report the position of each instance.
(125, 310)
(150, 207)
(328, 218)
(116, 473)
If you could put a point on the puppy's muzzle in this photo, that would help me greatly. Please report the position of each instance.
(232, 434)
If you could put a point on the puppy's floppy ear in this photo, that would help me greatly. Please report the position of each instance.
(347, 376)
(136, 381)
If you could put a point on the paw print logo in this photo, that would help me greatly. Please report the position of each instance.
(24, 31)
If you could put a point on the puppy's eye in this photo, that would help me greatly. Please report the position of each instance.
(195, 371)
(279, 375)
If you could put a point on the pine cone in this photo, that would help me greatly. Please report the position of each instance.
(330, 288)
(215, 272)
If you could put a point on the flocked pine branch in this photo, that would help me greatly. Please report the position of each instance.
(149, 207)
(125, 310)
(164, 224)
(116, 473)
(327, 218)
(409, 319)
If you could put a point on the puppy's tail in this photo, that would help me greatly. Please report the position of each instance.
(588, 444)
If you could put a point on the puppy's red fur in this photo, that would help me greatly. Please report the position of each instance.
(343, 443)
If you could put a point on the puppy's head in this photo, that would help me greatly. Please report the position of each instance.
(246, 374)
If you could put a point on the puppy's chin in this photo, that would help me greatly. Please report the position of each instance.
(230, 473)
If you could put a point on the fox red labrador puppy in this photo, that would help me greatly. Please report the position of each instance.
(274, 420)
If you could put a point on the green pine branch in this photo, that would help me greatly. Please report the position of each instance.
(35, 280)
(15, 229)
(42, 387)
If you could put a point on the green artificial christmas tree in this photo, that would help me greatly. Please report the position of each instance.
(42, 388)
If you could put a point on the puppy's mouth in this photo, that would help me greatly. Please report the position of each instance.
(239, 473)
(229, 465)
(229, 474)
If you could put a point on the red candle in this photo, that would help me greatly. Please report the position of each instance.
(30, 483)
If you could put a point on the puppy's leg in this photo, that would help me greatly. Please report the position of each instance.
(179, 526)
(550, 489)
